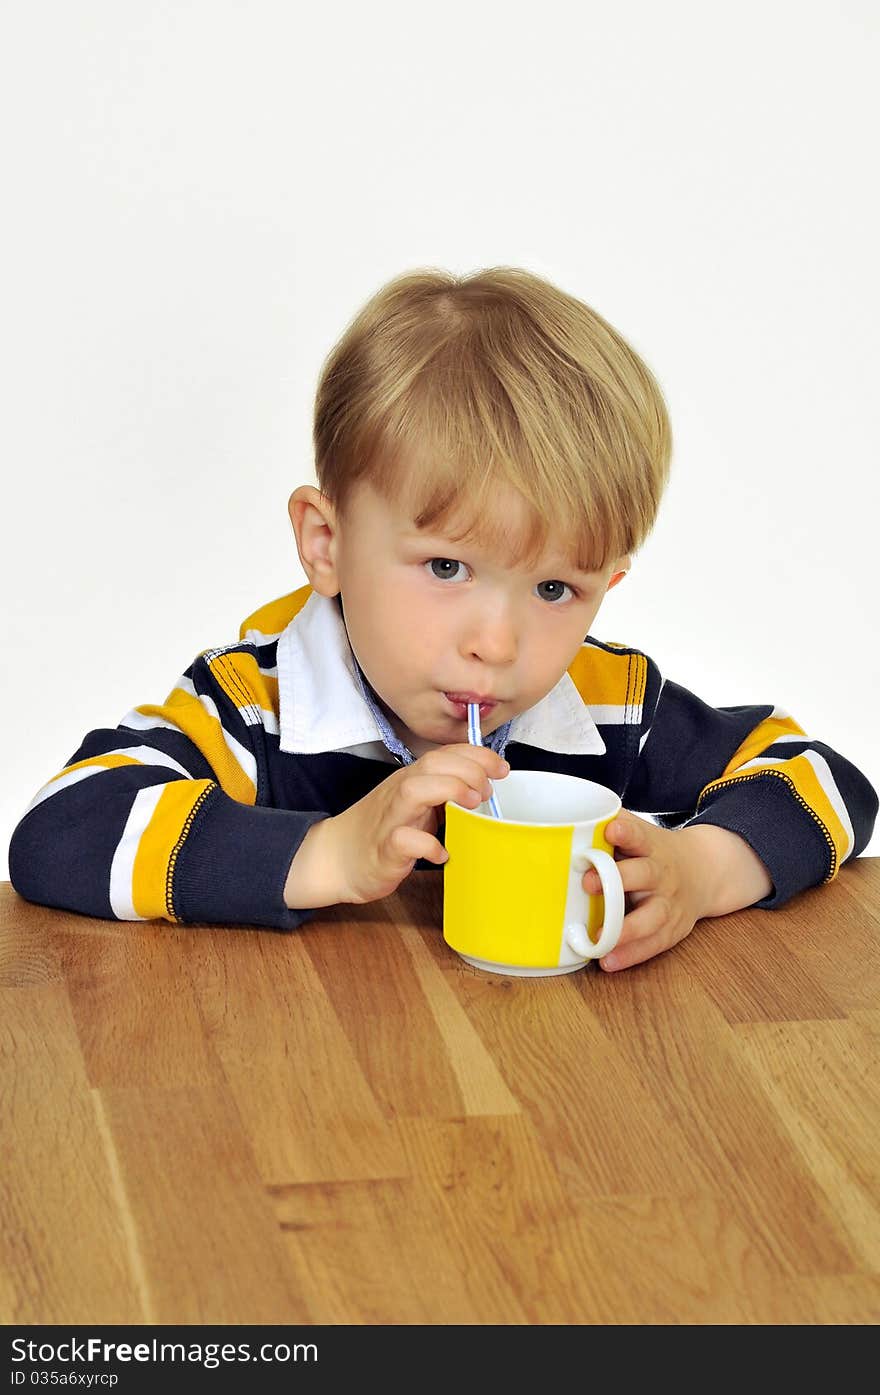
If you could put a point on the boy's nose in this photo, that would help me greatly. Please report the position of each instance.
(492, 642)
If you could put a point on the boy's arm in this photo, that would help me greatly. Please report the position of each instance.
(800, 807)
(733, 876)
(751, 811)
(167, 815)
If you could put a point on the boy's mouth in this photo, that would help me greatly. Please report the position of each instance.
(459, 701)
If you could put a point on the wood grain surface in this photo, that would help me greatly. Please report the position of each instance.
(347, 1124)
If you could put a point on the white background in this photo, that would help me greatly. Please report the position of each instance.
(199, 196)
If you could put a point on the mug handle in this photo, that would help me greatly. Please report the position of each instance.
(576, 936)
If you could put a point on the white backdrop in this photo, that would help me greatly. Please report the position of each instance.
(199, 197)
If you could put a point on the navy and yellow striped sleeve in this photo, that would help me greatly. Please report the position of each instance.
(168, 814)
(799, 805)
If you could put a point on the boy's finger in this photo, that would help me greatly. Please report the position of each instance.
(423, 792)
(496, 765)
(636, 874)
(644, 934)
(470, 770)
(463, 759)
(417, 843)
(624, 956)
(629, 833)
(651, 917)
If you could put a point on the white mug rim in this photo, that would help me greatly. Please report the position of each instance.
(556, 823)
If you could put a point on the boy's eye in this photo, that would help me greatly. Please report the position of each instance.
(445, 567)
(555, 588)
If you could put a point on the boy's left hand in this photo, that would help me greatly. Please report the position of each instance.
(663, 883)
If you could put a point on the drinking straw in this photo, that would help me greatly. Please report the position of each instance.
(475, 739)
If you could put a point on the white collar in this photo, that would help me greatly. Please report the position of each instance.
(322, 708)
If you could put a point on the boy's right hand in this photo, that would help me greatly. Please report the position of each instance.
(365, 852)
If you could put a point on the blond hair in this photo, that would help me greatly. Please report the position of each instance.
(444, 387)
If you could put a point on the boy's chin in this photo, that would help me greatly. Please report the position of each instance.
(420, 744)
(433, 734)
(448, 732)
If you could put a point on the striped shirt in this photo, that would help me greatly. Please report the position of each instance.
(193, 810)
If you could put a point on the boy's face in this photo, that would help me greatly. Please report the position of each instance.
(427, 616)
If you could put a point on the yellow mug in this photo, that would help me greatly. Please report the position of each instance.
(513, 895)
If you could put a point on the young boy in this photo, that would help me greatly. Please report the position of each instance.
(490, 453)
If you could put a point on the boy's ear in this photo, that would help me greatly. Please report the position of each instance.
(314, 526)
(619, 571)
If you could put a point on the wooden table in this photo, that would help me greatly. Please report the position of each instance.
(346, 1124)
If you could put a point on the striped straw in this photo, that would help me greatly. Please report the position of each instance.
(475, 738)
